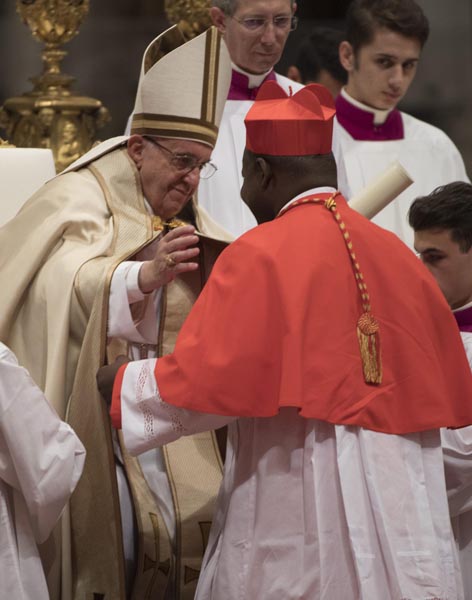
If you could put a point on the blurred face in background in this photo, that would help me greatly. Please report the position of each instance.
(448, 263)
(256, 33)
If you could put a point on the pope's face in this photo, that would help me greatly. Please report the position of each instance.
(165, 187)
(451, 267)
(254, 50)
(381, 72)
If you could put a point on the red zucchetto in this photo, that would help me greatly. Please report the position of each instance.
(298, 125)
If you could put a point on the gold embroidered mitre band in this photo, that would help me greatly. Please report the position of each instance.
(183, 87)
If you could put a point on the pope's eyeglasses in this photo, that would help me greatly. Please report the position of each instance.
(186, 162)
(257, 24)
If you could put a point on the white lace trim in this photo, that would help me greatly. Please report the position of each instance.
(144, 405)
(151, 405)
(174, 418)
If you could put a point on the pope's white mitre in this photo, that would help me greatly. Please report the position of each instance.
(181, 94)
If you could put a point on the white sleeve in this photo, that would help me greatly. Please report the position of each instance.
(457, 452)
(40, 455)
(124, 291)
(467, 341)
(147, 421)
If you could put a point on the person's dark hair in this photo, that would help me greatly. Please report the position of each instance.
(320, 169)
(318, 51)
(448, 207)
(401, 16)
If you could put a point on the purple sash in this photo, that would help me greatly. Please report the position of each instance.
(360, 123)
(240, 90)
(464, 319)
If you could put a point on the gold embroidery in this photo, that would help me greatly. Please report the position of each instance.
(159, 225)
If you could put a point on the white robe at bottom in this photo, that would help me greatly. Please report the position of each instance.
(310, 510)
(457, 448)
(41, 460)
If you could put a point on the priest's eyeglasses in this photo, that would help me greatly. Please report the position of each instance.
(186, 162)
(257, 24)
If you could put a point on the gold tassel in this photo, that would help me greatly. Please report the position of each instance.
(369, 343)
(368, 328)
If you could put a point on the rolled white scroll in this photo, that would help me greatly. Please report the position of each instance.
(381, 191)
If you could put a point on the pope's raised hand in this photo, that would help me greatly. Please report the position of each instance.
(174, 255)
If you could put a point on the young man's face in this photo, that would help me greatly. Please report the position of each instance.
(451, 267)
(381, 72)
(255, 49)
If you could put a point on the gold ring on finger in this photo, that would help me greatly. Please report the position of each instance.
(170, 262)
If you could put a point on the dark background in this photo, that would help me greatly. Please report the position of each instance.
(105, 58)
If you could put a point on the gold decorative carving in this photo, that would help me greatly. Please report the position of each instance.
(51, 115)
(192, 16)
(6, 144)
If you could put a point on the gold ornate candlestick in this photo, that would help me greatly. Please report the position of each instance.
(192, 16)
(51, 115)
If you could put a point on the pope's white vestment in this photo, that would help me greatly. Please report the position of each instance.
(310, 510)
(41, 460)
(426, 152)
(220, 194)
(124, 292)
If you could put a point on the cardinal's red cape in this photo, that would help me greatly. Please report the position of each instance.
(275, 326)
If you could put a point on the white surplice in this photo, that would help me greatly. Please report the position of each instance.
(41, 460)
(309, 510)
(457, 447)
(426, 152)
(220, 194)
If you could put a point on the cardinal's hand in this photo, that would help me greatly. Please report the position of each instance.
(106, 377)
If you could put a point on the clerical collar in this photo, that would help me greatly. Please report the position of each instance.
(244, 85)
(312, 192)
(463, 316)
(380, 116)
(368, 124)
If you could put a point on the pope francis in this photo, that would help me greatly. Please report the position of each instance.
(96, 263)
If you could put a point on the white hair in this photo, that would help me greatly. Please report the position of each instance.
(229, 6)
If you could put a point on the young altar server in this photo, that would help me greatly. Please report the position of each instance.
(41, 460)
(381, 52)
